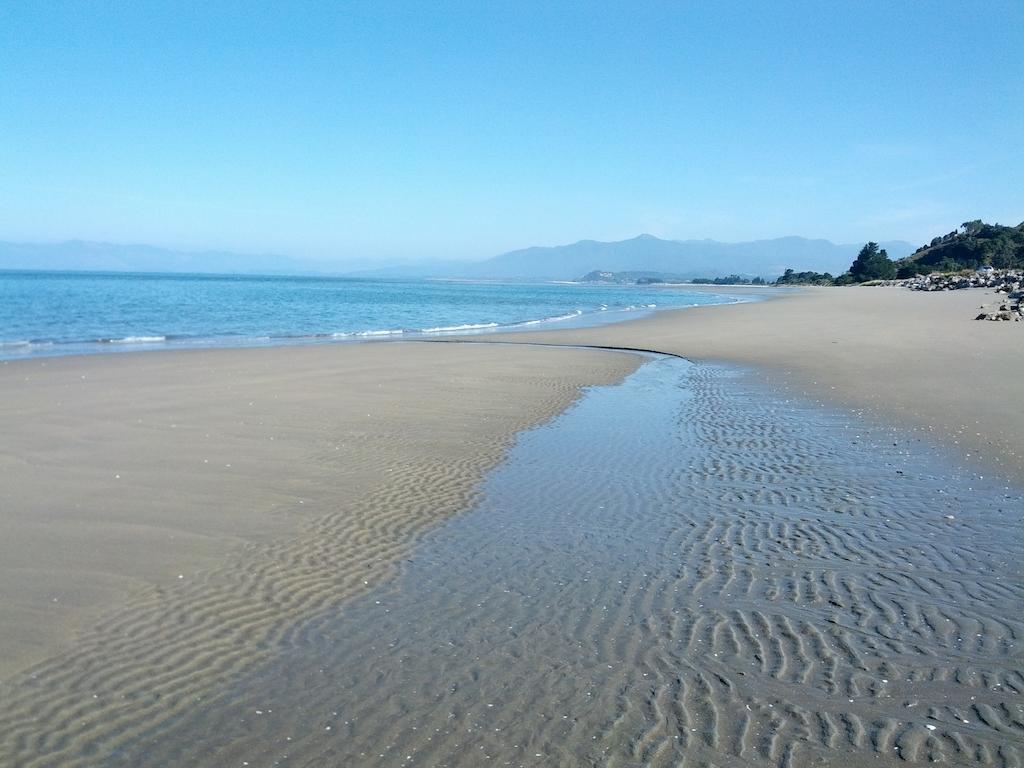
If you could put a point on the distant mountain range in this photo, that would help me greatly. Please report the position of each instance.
(646, 253)
(685, 258)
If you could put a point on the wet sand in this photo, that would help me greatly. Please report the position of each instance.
(684, 569)
(125, 474)
(915, 358)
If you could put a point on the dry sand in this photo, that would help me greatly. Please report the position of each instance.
(915, 358)
(123, 474)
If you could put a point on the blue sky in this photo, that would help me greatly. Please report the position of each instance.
(398, 131)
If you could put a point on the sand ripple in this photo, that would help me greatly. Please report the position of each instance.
(680, 571)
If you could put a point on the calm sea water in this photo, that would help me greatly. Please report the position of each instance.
(58, 313)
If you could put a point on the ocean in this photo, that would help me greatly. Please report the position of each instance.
(63, 313)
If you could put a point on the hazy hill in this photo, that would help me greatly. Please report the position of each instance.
(687, 258)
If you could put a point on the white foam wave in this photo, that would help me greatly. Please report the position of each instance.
(466, 327)
(398, 332)
(137, 340)
(569, 316)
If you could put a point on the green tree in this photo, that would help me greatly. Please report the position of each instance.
(973, 227)
(872, 264)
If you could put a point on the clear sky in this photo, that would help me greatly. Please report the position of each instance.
(405, 130)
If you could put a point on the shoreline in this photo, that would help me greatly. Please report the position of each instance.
(916, 359)
(177, 518)
(542, 306)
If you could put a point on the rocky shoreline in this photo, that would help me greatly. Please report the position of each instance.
(1003, 281)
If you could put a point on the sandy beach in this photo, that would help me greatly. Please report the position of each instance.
(915, 358)
(123, 473)
(356, 411)
(704, 562)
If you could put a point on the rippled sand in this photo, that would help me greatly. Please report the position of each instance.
(187, 495)
(913, 357)
(682, 570)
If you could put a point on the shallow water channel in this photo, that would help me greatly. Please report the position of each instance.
(680, 570)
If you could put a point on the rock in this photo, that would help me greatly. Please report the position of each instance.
(1003, 281)
(1010, 281)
